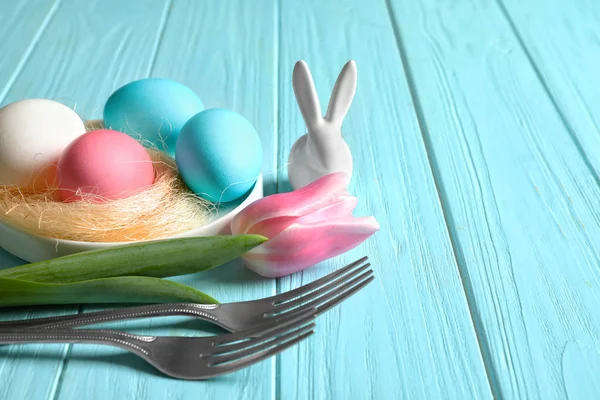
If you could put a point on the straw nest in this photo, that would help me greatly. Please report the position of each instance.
(165, 209)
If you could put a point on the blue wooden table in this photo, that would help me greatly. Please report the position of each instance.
(476, 137)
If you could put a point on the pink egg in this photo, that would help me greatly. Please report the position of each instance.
(104, 163)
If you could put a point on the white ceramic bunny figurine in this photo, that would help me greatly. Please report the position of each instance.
(322, 150)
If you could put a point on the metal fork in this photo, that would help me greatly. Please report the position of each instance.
(321, 294)
(191, 358)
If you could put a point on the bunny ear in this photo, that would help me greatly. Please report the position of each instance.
(343, 93)
(306, 94)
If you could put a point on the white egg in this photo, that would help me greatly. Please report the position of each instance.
(33, 134)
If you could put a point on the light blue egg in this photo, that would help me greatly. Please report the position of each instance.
(153, 110)
(219, 155)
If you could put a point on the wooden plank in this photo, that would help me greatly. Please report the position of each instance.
(78, 60)
(521, 202)
(563, 41)
(18, 38)
(408, 335)
(42, 363)
(95, 58)
(224, 52)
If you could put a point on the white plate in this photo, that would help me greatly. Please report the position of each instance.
(33, 248)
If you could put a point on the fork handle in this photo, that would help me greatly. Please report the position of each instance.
(205, 312)
(133, 343)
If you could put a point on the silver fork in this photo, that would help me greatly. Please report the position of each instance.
(321, 294)
(192, 358)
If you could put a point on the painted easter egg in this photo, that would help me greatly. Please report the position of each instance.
(103, 164)
(219, 155)
(33, 134)
(152, 110)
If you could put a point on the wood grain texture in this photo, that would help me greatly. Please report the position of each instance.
(409, 334)
(224, 52)
(473, 131)
(78, 60)
(520, 200)
(563, 41)
(19, 39)
(88, 50)
(21, 365)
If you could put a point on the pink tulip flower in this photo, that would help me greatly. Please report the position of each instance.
(304, 227)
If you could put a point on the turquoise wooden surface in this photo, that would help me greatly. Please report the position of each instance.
(476, 144)
(520, 200)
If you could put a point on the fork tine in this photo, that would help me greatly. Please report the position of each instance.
(338, 295)
(264, 329)
(258, 339)
(334, 302)
(319, 282)
(314, 294)
(244, 362)
(248, 350)
(275, 318)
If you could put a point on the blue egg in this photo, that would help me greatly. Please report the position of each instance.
(219, 155)
(152, 110)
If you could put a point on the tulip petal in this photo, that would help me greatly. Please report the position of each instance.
(273, 226)
(306, 200)
(340, 209)
(304, 244)
(304, 227)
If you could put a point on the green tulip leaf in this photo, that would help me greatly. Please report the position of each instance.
(126, 289)
(159, 259)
